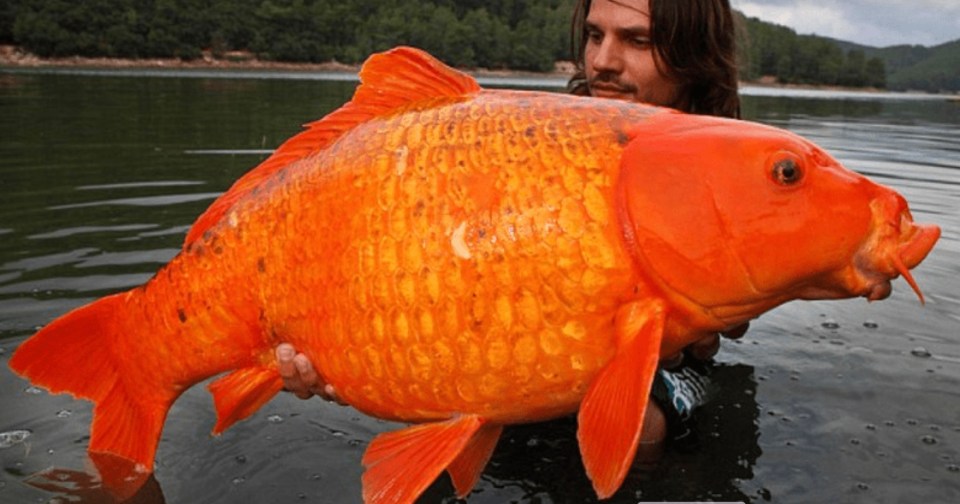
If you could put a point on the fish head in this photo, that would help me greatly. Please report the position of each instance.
(733, 218)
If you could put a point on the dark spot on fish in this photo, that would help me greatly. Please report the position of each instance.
(530, 131)
(622, 137)
(207, 235)
(218, 250)
(181, 315)
(261, 265)
(482, 233)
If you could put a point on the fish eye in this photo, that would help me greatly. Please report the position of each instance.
(787, 171)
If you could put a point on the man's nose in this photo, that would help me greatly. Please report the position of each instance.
(608, 57)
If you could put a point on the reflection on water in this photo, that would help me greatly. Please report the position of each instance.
(101, 177)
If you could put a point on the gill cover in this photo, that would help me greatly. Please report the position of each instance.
(732, 213)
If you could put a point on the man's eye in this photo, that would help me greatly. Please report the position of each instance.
(640, 41)
(594, 35)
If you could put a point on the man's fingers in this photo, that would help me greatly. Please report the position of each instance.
(706, 348)
(300, 377)
(672, 361)
(330, 394)
(287, 368)
(302, 394)
(308, 375)
(736, 332)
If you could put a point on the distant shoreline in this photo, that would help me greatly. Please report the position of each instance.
(12, 56)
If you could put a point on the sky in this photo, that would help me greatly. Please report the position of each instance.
(878, 23)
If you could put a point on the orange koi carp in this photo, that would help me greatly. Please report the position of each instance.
(462, 259)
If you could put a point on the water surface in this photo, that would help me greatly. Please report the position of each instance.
(101, 175)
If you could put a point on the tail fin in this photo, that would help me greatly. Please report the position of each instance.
(79, 353)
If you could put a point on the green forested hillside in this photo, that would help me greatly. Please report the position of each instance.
(777, 51)
(938, 71)
(515, 34)
(492, 33)
(934, 68)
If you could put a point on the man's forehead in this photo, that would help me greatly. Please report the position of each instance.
(635, 5)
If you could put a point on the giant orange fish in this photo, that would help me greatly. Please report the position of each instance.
(463, 259)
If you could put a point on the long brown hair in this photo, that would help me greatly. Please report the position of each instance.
(694, 39)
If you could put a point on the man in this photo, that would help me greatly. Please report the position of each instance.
(679, 54)
(674, 53)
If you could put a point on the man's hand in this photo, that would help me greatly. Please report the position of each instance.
(300, 377)
(704, 349)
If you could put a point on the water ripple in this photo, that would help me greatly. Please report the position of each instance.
(62, 233)
(49, 260)
(82, 284)
(147, 183)
(150, 201)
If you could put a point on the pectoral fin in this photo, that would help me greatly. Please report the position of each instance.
(611, 415)
(242, 392)
(402, 464)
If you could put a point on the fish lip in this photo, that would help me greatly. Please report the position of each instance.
(920, 241)
(865, 280)
(879, 290)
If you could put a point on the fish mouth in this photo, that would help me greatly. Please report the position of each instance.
(913, 250)
(900, 244)
(918, 243)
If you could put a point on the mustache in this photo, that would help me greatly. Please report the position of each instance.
(610, 80)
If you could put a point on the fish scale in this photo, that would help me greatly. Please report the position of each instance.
(463, 259)
(417, 248)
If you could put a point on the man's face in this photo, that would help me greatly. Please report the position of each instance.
(619, 59)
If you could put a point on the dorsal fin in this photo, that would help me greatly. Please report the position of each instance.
(388, 81)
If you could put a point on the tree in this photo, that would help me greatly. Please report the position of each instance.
(854, 69)
(491, 38)
(875, 73)
(8, 16)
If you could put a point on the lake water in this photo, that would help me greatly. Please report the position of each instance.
(101, 174)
